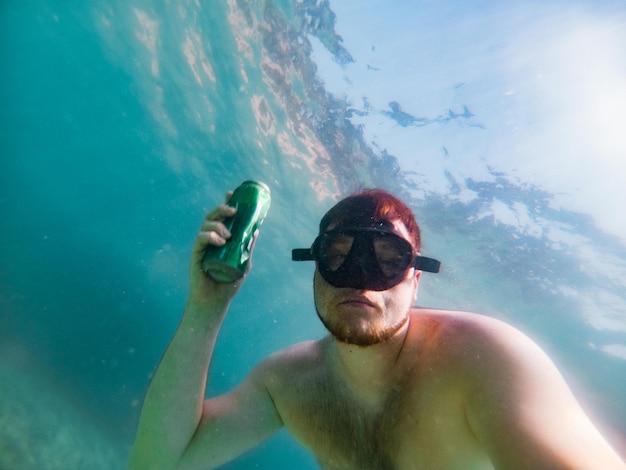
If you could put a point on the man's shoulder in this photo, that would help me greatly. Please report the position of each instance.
(462, 331)
(462, 321)
(288, 363)
(293, 373)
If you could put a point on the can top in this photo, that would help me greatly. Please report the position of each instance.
(256, 183)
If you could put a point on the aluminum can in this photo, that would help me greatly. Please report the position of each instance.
(228, 263)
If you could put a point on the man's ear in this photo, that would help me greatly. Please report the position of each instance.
(417, 277)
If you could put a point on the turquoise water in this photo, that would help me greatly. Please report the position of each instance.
(123, 122)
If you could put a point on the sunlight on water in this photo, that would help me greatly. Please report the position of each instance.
(123, 122)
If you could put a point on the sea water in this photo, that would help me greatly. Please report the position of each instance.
(124, 122)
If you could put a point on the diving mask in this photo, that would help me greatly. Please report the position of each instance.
(371, 258)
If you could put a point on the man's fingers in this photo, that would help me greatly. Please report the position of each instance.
(220, 213)
(212, 230)
(208, 237)
(215, 226)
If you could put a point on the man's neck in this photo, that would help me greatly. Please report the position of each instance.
(368, 370)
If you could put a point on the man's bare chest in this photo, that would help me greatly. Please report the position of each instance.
(412, 427)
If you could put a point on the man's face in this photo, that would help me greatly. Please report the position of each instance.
(365, 317)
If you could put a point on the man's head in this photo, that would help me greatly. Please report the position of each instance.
(367, 241)
(360, 294)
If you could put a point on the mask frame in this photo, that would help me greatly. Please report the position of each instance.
(362, 266)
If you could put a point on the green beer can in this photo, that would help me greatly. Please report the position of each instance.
(229, 262)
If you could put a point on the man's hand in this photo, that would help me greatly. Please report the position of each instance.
(213, 232)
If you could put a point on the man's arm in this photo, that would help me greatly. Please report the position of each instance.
(177, 428)
(522, 410)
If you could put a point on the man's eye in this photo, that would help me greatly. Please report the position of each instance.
(337, 252)
(387, 253)
(335, 260)
(389, 258)
(390, 266)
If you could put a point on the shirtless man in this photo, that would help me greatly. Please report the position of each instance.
(392, 387)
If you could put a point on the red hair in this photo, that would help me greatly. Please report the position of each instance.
(362, 208)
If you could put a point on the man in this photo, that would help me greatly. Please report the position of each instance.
(392, 387)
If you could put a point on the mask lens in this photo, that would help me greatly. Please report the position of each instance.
(392, 255)
(362, 258)
(334, 250)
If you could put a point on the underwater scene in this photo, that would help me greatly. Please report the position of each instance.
(123, 122)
